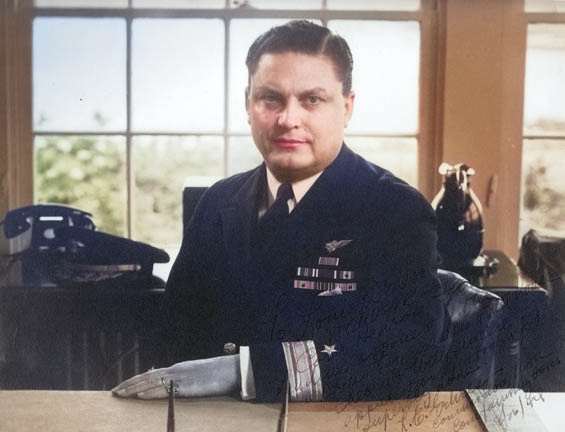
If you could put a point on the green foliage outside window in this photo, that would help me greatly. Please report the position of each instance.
(84, 172)
(162, 166)
(89, 173)
(544, 205)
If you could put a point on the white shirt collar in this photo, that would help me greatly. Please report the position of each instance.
(299, 188)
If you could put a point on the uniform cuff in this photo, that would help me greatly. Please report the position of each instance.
(247, 379)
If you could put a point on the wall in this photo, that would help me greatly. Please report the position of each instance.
(16, 187)
(482, 105)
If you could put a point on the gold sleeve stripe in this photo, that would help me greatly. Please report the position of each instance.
(303, 371)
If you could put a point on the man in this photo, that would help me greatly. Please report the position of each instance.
(338, 299)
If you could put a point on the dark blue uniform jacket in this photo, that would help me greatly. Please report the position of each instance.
(388, 324)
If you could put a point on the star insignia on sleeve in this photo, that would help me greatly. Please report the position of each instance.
(329, 350)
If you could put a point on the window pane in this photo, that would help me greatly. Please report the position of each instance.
(81, 3)
(161, 168)
(86, 172)
(242, 155)
(401, 5)
(544, 105)
(398, 155)
(545, 5)
(180, 4)
(271, 4)
(177, 80)
(242, 34)
(543, 186)
(79, 74)
(386, 56)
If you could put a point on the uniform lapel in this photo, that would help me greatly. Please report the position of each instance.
(320, 213)
(329, 195)
(239, 217)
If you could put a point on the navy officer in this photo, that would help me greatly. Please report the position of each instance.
(329, 291)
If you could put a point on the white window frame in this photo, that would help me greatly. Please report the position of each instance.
(428, 97)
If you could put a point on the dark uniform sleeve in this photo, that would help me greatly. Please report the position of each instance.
(191, 298)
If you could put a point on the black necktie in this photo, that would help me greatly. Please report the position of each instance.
(279, 209)
(275, 215)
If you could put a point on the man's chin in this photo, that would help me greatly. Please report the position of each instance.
(292, 172)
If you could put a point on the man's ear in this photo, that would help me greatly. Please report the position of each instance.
(247, 102)
(349, 102)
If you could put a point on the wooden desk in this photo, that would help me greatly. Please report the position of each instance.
(505, 275)
(494, 270)
(65, 411)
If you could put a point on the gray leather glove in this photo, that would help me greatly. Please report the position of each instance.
(216, 376)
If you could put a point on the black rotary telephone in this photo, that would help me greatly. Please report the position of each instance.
(43, 220)
(64, 247)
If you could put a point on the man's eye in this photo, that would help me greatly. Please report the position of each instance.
(314, 100)
(270, 98)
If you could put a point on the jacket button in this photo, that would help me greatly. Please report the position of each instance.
(230, 348)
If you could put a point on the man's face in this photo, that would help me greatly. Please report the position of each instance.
(297, 113)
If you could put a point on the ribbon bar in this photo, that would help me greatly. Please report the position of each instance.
(324, 273)
(324, 286)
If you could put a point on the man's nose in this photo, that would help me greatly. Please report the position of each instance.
(290, 116)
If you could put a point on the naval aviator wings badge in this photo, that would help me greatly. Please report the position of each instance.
(336, 244)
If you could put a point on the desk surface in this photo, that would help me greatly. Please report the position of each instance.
(506, 276)
(494, 270)
(64, 411)
(93, 411)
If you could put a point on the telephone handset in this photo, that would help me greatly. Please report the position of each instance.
(43, 219)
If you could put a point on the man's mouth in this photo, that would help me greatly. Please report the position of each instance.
(288, 143)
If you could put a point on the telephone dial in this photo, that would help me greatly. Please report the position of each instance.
(43, 219)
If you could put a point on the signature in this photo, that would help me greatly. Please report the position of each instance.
(502, 407)
(403, 415)
(432, 411)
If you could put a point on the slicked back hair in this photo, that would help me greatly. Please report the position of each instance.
(304, 37)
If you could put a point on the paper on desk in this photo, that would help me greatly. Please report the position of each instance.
(508, 410)
(552, 412)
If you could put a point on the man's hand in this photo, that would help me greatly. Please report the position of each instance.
(196, 378)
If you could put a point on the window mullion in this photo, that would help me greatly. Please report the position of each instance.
(227, 61)
(129, 170)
